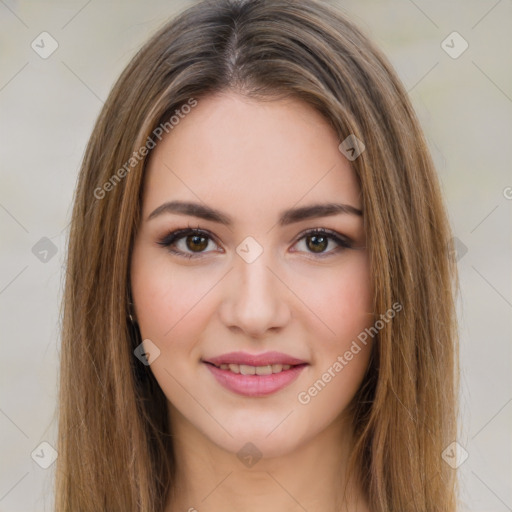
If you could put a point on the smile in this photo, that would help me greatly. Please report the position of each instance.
(255, 381)
(246, 369)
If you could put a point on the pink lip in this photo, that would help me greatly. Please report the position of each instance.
(264, 359)
(255, 385)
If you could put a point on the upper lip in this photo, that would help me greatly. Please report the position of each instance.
(264, 359)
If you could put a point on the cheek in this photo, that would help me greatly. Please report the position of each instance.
(167, 298)
(339, 300)
(343, 301)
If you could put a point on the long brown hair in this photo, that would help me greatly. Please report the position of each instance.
(115, 450)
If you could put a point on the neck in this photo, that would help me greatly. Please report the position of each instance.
(312, 477)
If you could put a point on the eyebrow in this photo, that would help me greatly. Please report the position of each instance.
(286, 217)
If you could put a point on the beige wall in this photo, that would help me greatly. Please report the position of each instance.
(47, 109)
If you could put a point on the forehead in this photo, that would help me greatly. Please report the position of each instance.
(244, 155)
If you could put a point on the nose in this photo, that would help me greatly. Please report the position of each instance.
(256, 300)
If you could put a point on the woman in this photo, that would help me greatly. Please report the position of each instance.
(259, 307)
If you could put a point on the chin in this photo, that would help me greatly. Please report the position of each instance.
(257, 443)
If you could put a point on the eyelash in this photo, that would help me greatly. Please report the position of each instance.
(174, 236)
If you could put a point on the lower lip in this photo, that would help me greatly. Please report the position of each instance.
(255, 385)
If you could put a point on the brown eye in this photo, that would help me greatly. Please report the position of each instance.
(189, 243)
(317, 243)
(197, 242)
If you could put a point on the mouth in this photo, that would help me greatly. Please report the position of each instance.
(245, 369)
(255, 380)
(247, 361)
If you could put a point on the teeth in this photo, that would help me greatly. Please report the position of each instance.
(246, 369)
(235, 368)
(264, 370)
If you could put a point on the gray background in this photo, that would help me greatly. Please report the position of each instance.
(48, 107)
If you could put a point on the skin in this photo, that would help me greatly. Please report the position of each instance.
(251, 160)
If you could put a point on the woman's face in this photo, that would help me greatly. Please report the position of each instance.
(255, 281)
